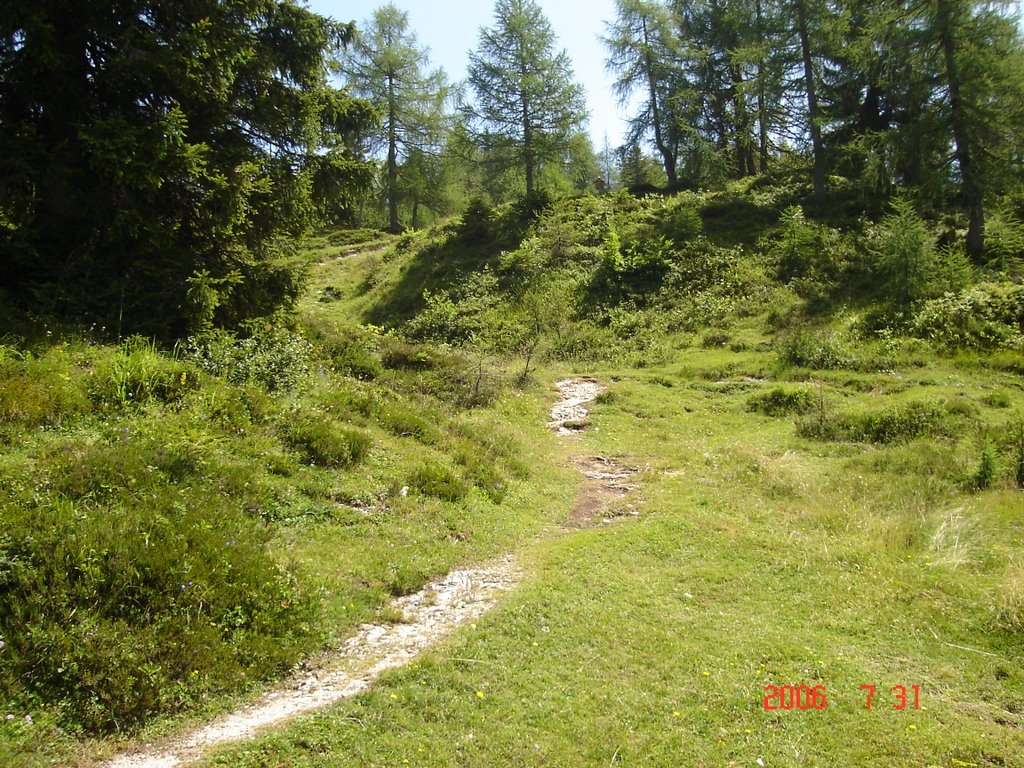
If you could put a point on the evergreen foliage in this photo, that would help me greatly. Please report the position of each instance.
(154, 156)
(527, 102)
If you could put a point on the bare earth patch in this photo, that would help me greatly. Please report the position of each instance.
(607, 480)
(428, 616)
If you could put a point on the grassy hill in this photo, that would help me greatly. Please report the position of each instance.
(830, 417)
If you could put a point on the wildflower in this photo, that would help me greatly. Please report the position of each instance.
(479, 694)
(676, 713)
(10, 716)
(28, 719)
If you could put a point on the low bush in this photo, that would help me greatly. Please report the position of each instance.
(816, 349)
(275, 359)
(324, 442)
(113, 613)
(405, 422)
(38, 391)
(892, 425)
(437, 480)
(984, 316)
(782, 401)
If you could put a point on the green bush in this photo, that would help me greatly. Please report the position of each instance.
(893, 425)
(817, 349)
(404, 422)
(343, 237)
(351, 356)
(37, 391)
(809, 256)
(113, 613)
(325, 442)
(437, 480)
(984, 316)
(275, 359)
(782, 401)
(137, 374)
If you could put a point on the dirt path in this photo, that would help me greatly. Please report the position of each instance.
(603, 497)
(428, 615)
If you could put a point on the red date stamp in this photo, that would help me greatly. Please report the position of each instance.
(805, 697)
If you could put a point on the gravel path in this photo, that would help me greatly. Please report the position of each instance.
(428, 616)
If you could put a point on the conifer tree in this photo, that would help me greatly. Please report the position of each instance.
(526, 100)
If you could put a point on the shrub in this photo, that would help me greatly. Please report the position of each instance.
(275, 359)
(344, 237)
(809, 255)
(477, 222)
(404, 422)
(781, 401)
(985, 474)
(903, 249)
(36, 391)
(112, 614)
(351, 357)
(893, 425)
(984, 316)
(137, 374)
(432, 479)
(815, 349)
(325, 442)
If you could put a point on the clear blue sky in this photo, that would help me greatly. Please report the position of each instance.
(451, 28)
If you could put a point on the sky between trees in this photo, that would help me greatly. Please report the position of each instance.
(452, 29)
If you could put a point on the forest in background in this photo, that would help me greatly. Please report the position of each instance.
(159, 160)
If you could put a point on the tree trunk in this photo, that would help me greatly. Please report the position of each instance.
(971, 186)
(762, 109)
(392, 169)
(817, 146)
(667, 155)
(744, 151)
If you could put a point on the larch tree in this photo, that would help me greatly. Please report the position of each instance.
(526, 99)
(390, 69)
(641, 54)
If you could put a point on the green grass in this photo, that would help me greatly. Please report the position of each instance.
(760, 558)
(821, 504)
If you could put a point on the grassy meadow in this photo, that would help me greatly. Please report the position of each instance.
(829, 497)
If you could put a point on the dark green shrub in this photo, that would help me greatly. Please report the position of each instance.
(781, 401)
(351, 357)
(985, 474)
(113, 613)
(325, 442)
(404, 422)
(893, 425)
(275, 359)
(137, 374)
(477, 222)
(984, 316)
(817, 349)
(342, 237)
(432, 479)
(37, 391)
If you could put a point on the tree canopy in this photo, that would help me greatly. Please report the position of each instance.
(526, 100)
(154, 153)
(388, 67)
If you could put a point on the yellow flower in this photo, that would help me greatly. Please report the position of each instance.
(479, 694)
